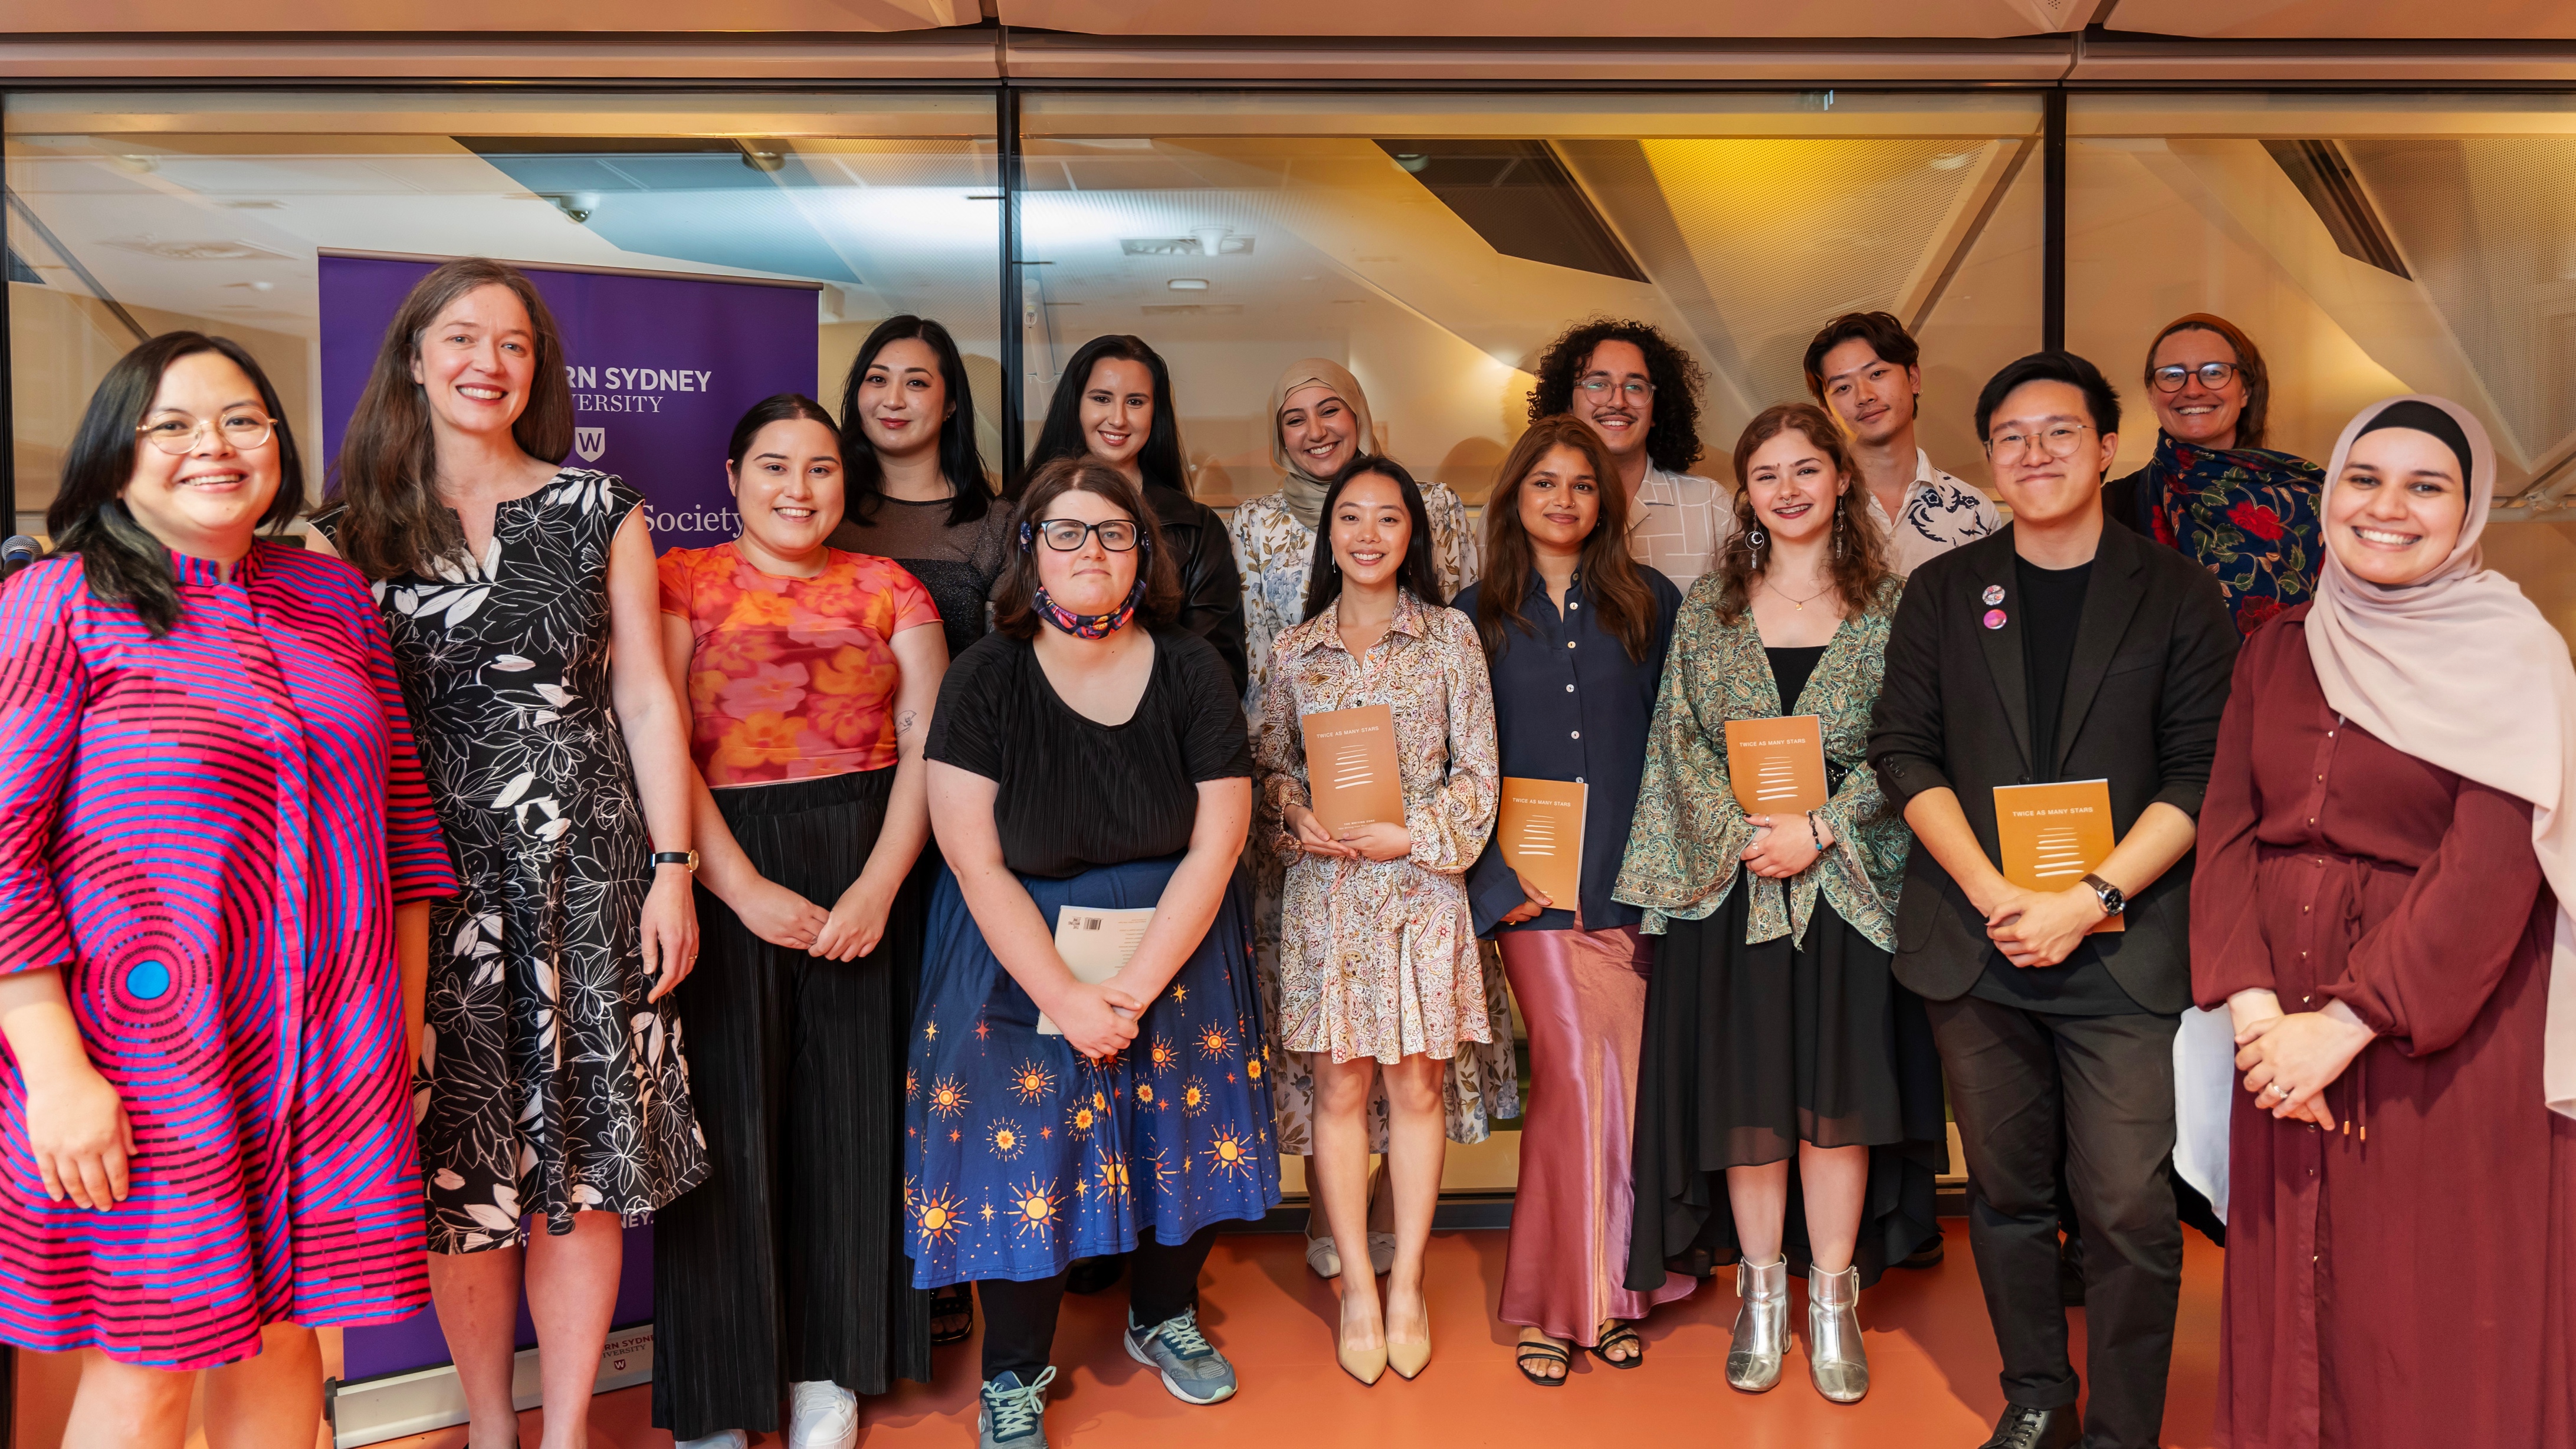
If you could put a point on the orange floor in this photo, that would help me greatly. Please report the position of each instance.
(1931, 1357)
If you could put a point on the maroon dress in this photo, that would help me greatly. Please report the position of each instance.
(2409, 1279)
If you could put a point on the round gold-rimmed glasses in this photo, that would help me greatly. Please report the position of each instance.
(178, 436)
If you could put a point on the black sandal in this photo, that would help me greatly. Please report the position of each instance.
(1544, 1352)
(1613, 1335)
(952, 1314)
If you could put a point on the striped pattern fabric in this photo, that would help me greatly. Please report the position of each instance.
(207, 833)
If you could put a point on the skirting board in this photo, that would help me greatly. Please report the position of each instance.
(375, 1410)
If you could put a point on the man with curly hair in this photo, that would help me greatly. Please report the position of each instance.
(1641, 393)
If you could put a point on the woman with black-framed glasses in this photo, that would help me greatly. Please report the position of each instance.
(2212, 490)
(1067, 1096)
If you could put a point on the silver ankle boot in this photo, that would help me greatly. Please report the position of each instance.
(1835, 1359)
(1761, 1326)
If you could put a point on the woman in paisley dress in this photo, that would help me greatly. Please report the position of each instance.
(1380, 979)
(2237, 508)
(1782, 1061)
(524, 604)
(1319, 422)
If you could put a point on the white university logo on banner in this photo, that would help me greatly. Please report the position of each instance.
(590, 443)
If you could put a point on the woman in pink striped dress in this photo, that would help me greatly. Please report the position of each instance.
(213, 836)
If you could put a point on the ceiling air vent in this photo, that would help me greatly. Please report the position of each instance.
(1520, 198)
(1227, 244)
(2322, 175)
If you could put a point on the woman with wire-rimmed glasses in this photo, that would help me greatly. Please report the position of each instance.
(2212, 488)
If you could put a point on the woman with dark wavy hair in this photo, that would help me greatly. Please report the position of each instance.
(524, 604)
(916, 484)
(1574, 632)
(217, 858)
(1641, 392)
(1779, 1048)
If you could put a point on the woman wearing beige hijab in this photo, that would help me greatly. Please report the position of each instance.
(1319, 420)
(2385, 847)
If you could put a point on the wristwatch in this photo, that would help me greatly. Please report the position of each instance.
(2113, 901)
(688, 859)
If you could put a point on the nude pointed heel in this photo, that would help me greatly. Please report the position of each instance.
(1364, 1364)
(1408, 1359)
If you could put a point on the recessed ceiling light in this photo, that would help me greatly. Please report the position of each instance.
(1188, 284)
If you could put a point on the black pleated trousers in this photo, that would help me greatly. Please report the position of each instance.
(787, 1263)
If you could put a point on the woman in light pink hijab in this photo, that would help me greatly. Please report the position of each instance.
(2384, 848)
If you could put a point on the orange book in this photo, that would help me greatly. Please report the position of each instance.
(1350, 767)
(2053, 836)
(1540, 833)
(1777, 765)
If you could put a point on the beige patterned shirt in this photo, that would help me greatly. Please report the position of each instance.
(1378, 958)
(1677, 522)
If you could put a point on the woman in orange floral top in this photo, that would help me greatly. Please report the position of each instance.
(811, 674)
(1378, 971)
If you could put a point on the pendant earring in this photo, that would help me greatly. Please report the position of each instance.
(1754, 539)
(1838, 528)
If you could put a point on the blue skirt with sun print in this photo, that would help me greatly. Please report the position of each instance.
(1021, 1156)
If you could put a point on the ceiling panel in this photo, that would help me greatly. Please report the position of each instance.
(1675, 19)
(2350, 19)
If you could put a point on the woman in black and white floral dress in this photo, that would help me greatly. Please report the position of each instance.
(554, 1103)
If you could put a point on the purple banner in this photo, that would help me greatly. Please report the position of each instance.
(660, 365)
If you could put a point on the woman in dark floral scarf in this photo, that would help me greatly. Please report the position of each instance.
(2212, 490)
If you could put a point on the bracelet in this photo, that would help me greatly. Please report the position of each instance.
(1814, 834)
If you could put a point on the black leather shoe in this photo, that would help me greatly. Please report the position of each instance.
(2027, 1428)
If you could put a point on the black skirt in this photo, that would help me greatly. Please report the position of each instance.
(787, 1263)
(1751, 1050)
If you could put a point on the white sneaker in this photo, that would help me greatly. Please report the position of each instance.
(720, 1439)
(822, 1415)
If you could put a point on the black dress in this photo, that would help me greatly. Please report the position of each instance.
(1752, 1049)
(553, 1085)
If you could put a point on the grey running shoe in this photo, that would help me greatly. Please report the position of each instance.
(1014, 1413)
(1192, 1368)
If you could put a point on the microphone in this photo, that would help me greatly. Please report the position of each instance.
(16, 552)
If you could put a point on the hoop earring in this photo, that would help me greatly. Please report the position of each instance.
(1754, 541)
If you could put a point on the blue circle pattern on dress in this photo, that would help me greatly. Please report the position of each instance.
(148, 981)
(1021, 1155)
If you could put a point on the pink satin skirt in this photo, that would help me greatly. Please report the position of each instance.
(1583, 994)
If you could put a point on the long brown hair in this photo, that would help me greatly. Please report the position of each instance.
(1859, 556)
(2251, 420)
(1610, 575)
(1015, 611)
(386, 477)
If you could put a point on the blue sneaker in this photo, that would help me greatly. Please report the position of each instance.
(1013, 1416)
(1191, 1367)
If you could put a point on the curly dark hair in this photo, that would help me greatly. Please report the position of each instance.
(1672, 440)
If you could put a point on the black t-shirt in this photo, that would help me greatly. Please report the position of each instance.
(2052, 608)
(1076, 794)
(2052, 605)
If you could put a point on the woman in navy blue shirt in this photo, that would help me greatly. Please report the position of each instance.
(1574, 633)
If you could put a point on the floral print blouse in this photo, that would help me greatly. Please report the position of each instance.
(791, 678)
(1274, 553)
(1686, 848)
(1379, 958)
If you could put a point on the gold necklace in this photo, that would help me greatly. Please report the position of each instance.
(1793, 598)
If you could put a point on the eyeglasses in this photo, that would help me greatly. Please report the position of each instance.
(1064, 535)
(2174, 378)
(1630, 391)
(242, 431)
(2060, 439)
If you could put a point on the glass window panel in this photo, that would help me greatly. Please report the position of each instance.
(1436, 243)
(135, 214)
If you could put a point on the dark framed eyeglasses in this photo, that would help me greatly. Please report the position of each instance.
(1633, 390)
(2174, 377)
(1064, 535)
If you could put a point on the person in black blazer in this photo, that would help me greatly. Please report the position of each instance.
(2058, 650)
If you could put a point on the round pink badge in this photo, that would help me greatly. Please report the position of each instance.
(1994, 618)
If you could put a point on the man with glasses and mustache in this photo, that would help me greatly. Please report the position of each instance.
(2058, 649)
(1641, 393)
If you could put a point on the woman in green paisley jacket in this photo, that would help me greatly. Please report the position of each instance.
(1782, 1062)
